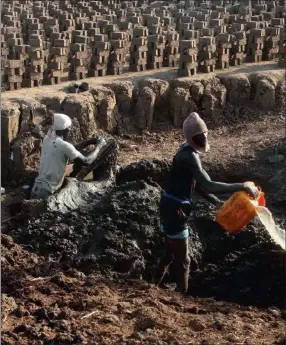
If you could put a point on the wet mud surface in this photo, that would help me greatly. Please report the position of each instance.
(117, 233)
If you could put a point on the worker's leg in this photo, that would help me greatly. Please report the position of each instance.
(180, 250)
(39, 192)
(164, 264)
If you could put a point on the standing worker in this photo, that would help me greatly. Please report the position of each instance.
(56, 152)
(187, 175)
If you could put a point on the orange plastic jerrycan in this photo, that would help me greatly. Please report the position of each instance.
(239, 210)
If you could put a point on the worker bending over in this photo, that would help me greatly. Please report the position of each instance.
(187, 175)
(56, 152)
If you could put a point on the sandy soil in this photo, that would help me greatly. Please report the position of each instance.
(164, 73)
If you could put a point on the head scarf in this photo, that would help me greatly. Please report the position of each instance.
(194, 125)
(60, 123)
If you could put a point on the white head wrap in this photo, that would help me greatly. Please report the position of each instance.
(194, 125)
(60, 123)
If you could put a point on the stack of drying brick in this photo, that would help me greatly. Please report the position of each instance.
(80, 51)
(100, 55)
(116, 62)
(255, 45)
(171, 52)
(17, 60)
(207, 54)
(156, 46)
(223, 50)
(34, 72)
(271, 45)
(237, 52)
(58, 58)
(188, 58)
(139, 50)
(282, 49)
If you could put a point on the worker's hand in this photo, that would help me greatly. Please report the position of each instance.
(251, 190)
(219, 204)
(98, 141)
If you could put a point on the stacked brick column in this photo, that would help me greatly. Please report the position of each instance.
(156, 46)
(223, 50)
(59, 51)
(171, 52)
(237, 52)
(139, 50)
(207, 54)
(282, 50)
(34, 72)
(255, 45)
(81, 53)
(271, 46)
(188, 58)
(117, 55)
(100, 55)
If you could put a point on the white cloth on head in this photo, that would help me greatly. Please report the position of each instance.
(192, 126)
(61, 122)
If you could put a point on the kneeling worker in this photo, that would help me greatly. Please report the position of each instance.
(56, 152)
(186, 175)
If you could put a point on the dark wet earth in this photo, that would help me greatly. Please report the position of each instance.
(116, 232)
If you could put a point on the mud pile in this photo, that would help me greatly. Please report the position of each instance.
(117, 233)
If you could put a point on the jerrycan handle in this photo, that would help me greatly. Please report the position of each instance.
(261, 199)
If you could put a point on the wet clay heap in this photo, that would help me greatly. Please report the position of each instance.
(116, 232)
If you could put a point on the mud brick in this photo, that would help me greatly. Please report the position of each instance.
(140, 54)
(207, 68)
(188, 59)
(277, 21)
(35, 54)
(254, 58)
(272, 31)
(138, 68)
(58, 74)
(240, 36)
(61, 43)
(215, 22)
(15, 64)
(187, 72)
(14, 42)
(198, 25)
(77, 47)
(14, 86)
(99, 59)
(255, 46)
(207, 32)
(257, 33)
(206, 41)
(58, 51)
(140, 32)
(222, 64)
(14, 71)
(271, 44)
(81, 55)
(4, 52)
(37, 62)
(117, 43)
(223, 58)
(56, 65)
(102, 45)
(82, 39)
(15, 79)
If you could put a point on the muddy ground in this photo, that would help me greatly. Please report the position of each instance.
(81, 276)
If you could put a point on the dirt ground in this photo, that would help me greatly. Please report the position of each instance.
(164, 73)
(55, 307)
(45, 302)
